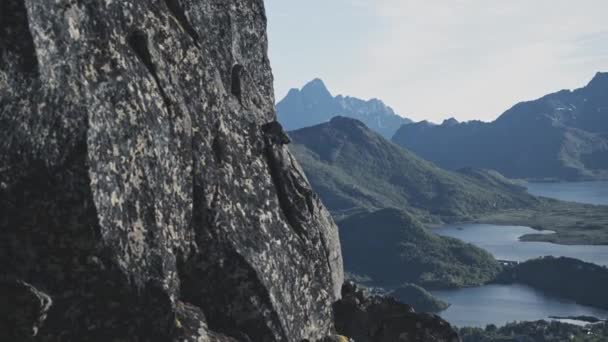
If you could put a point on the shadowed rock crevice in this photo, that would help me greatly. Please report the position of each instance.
(16, 42)
(293, 196)
(138, 41)
(191, 326)
(33, 304)
(219, 281)
(235, 83)
(180, 15)
(219, 149)
(226, 293)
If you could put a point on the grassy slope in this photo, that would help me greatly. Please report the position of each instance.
(419, 298)
(574, 223)
(536, 331)
(355, 169)
(392, 248)
(582, 282)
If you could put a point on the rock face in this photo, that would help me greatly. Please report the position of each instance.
(368, 318)
(23, 309)
(145, 189)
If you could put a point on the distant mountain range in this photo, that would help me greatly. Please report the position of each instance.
(354, 169)
(561, 136)
(314, 104)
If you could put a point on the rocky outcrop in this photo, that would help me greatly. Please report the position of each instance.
(367, 318)
(144, 187)
(23, 309)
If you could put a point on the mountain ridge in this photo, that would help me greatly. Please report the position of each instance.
(562, 136)
(314, 104)
(354, 168)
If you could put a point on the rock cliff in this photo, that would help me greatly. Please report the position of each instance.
(368, 318)
(143, 186)
(146, 192)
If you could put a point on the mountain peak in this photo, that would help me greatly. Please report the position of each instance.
(600, 79)
(343, 121)
(316, 87)
(353, 128)
(450, 122)
(316, 81)
(314, 104)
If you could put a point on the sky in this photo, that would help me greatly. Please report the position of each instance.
(435, 59)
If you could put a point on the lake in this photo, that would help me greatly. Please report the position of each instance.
(501, 304)
(582, 192)
(503, 242)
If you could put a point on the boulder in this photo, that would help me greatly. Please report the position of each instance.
(23, 309)
(372, 318)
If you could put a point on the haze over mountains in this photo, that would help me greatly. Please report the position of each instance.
(314, 104)
(561, 136)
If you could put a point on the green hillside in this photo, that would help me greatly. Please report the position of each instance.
(392, 248)
(354, 169)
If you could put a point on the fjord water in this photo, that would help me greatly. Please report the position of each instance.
(501, 304)
(503, 242)
(582, 192)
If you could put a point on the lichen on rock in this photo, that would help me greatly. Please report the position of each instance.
(139, 186)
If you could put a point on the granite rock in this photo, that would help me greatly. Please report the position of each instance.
(373, 318)
(23, 309)
(144, 184)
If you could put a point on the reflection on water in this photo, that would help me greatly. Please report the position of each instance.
(503, 242)
(582, 192)
(501, 304)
